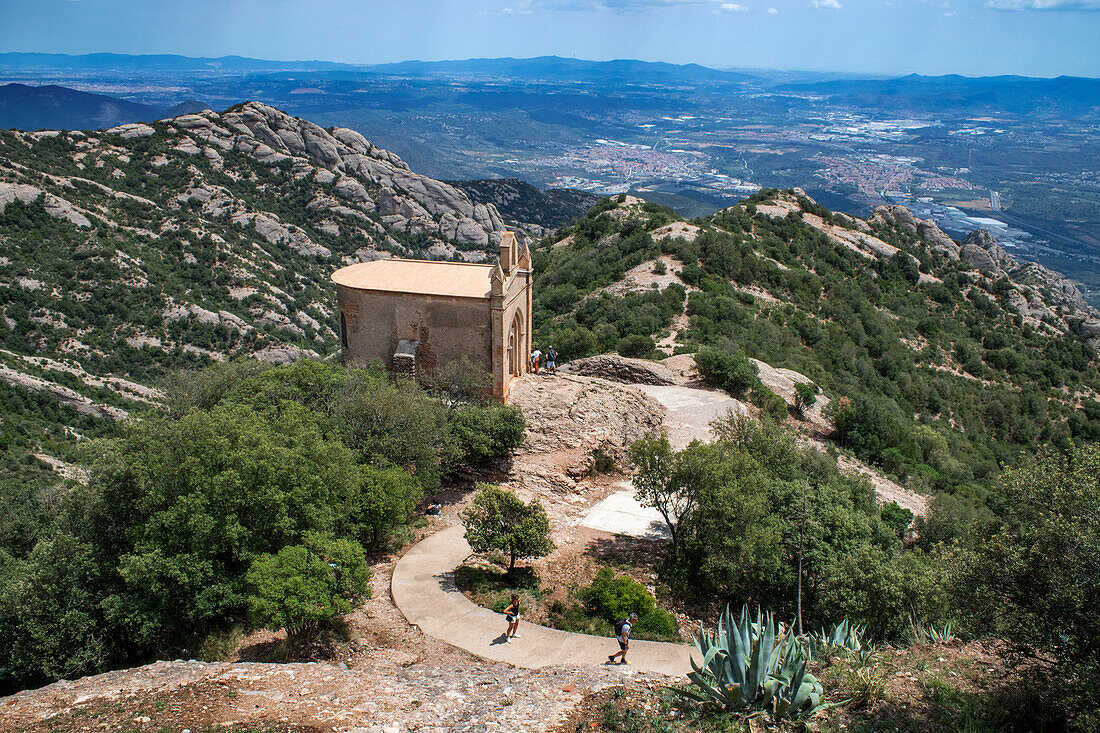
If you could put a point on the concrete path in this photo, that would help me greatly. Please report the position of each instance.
(621, 513)
(689, 411)
(423, 587)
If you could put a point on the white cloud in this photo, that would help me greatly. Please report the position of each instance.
(826, 4)
(773, 11)
(730, 8)
(1044, 4)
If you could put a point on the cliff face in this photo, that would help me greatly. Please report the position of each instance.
(537, 211)
(1043, 297)
(148, 247)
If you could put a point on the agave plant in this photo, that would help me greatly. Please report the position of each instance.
(844, 635)
(930, 634)
(800, 695)
(746, 664)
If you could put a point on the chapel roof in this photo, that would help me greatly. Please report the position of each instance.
(419, 277)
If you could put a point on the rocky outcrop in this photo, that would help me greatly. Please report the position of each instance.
(980, 250)
(412, 202)
(937, 239)
(622, 369)
(928, 231)
(284, 354)
(276, 232)
(55, 206)
(895, 215)
(132, 130)
(1038, 293)
(64, 395)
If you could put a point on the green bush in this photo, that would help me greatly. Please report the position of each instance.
(303, 587)
(615, 597)
(657, 624)
(898, 518)
(636, 346)
(805, 396)
(769, 403)
(573, 617)
(487, 431)
(726, 370)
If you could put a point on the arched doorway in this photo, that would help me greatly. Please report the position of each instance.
(516, 351)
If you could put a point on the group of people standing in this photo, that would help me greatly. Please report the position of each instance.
(551, 360)
(622, 629)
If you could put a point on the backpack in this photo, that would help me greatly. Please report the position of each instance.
(619, 626)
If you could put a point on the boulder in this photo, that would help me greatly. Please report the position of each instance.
(979, 258)
(895, 215)
(352, 189)
(132, 130)
(622, 369)
(982, 239)
(936, 239)
(284, 354)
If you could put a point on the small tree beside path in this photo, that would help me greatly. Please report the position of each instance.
(499, 520)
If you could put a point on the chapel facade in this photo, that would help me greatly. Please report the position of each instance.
(418, 316)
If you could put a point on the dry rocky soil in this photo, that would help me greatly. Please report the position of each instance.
(383, 674)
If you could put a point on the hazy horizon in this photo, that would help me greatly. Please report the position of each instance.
(1044, 38)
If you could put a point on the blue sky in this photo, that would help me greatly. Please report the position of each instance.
(973, 37)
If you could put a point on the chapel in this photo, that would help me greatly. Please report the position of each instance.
(418, 316)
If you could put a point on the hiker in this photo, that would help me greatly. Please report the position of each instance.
(512, 615)
(535, 356)
(551, 360)
(622, 633)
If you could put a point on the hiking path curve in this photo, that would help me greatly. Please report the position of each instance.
(423, 588)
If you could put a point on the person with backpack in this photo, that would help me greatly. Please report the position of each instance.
(511, 614)
(622, 634)
(551, 360)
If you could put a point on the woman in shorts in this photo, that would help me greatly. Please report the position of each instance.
(512, 615)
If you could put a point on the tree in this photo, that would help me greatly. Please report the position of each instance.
(499, 520)
(487, 430)
(303, 587)
(662, 482)
(385, 501)
(1036, 579)
(186, 505)
(726, 370)
(805, 395)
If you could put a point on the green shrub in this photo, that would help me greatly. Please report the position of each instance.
(769, 403)
(572, 617)
(657, 624)
(726, 370)
(615, 597)
(303, 587)
(805, 396)
(636, 346)
(603, 463)
(897, 518)
(487, 431)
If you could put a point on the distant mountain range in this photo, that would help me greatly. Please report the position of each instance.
(557, 68)
(156, 62)
(60, 108)
(1018, 94)
(548, 68)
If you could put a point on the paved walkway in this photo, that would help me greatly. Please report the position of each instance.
(621, 513)
(423, 587)
(689, 411)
